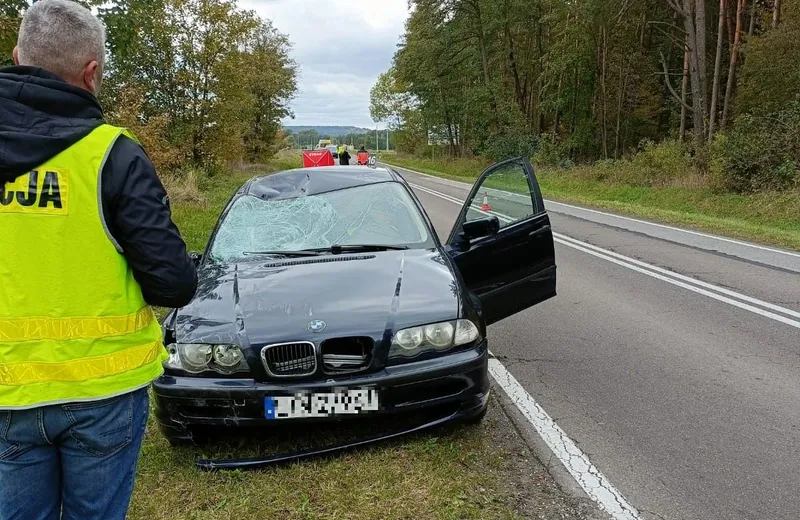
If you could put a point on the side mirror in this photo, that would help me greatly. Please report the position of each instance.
(481, 228)
(196, 258)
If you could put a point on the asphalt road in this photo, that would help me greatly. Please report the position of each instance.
(688, 403)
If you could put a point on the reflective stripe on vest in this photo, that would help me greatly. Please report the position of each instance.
(74, 325)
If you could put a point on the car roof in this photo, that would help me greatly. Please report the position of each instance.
(302, 182)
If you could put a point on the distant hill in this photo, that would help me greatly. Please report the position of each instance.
(330, 130)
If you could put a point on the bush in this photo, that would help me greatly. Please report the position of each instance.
(656, 165)
(759, 153)
(660, 164)
(551, 154)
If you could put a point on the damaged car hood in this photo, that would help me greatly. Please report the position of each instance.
(275, 300)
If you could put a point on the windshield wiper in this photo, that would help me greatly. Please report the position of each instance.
(338, 249)
(287, 254)
(334, 249)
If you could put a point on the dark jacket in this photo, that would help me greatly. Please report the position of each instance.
(41, 116)
(344, 158)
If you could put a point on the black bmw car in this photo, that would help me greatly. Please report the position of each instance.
(325, 294)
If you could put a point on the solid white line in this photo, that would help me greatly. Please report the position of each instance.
(695, 281)
(715, 296)
(671, 277)
(586, 474)
(663, 226)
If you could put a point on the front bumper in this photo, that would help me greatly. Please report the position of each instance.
(454, 385)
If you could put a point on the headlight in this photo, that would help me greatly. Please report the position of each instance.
(199, 357)
(194, 358)
(227, 355)
(466, 332)
(409, 339)
(436, 336)
(440, 335)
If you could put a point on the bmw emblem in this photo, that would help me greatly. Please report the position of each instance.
(317, 326)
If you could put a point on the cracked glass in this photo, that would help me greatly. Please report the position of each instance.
(373, 214)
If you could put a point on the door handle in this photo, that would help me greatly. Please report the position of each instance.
(541, 231)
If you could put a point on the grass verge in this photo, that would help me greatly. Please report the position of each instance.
(768, 218)
(452, 473)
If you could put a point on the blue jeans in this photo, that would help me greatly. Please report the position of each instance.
(73, 461)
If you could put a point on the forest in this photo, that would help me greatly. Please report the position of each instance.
(201, 83)
(712, 85)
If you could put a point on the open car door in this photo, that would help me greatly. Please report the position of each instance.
(502, 242)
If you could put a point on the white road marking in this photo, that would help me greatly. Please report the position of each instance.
(767, 314)
(685, 278)
(663, 226)
(720, 294)
(586, 474)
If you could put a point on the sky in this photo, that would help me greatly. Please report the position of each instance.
(341, 47)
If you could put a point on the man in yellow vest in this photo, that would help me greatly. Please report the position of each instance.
(87, 244)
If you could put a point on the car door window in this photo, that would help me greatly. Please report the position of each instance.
(505, 193)
(514, 267)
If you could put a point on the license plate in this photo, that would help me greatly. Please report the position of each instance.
(306, 405)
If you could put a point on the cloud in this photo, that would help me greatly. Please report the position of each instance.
(341, 46)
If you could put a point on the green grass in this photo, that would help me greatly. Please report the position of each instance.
(769, 218)
(453, 473)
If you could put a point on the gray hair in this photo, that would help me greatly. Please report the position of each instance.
(62, 37)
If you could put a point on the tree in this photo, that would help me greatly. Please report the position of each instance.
(692, 12)
(734, 60)
(221, 75)
(769, 78)
(723, 12)
(389, 100)
(10, 17)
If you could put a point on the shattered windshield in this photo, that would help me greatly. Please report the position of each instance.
(375, 214)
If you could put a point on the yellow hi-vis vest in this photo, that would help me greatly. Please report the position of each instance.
(74, 325)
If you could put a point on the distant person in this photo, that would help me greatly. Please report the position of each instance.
(344, 158)
(362, 149)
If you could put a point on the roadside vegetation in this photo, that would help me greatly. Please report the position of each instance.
(684, 111)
